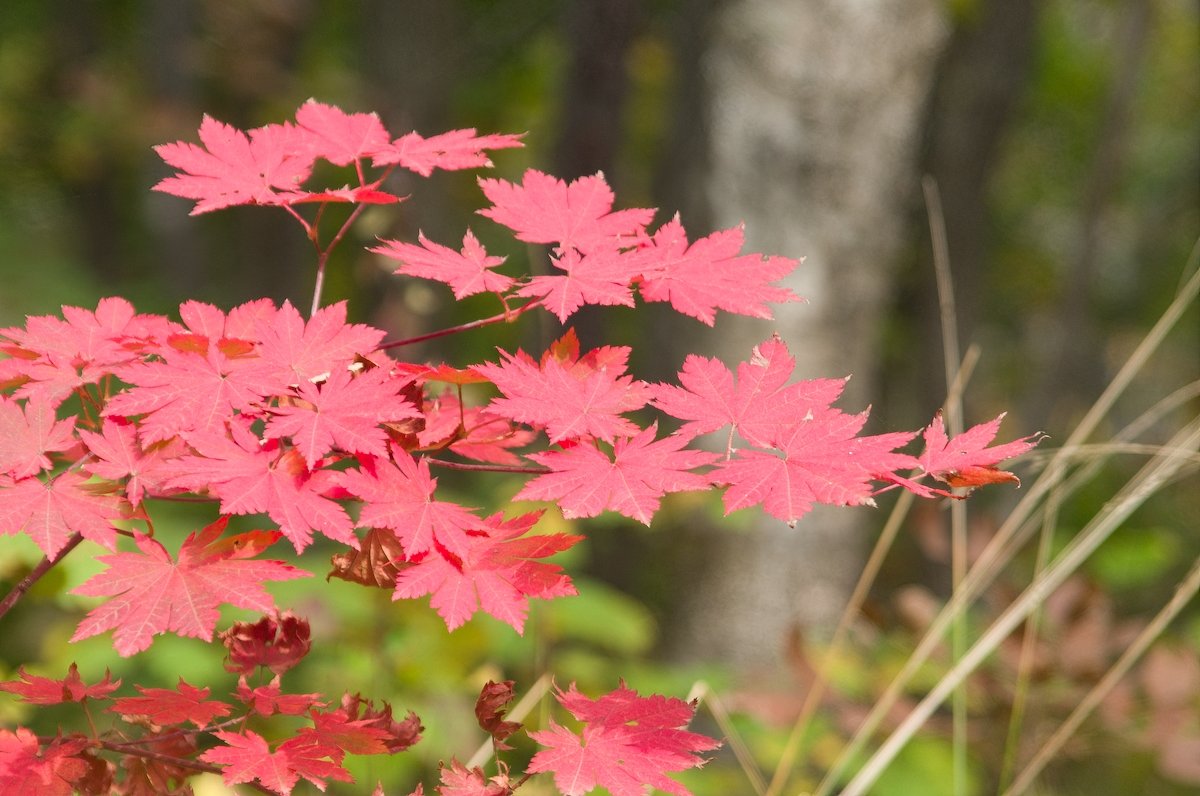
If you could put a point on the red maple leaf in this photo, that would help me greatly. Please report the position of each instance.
(344, 411)
(269, 699)
(48, 691)
(340, 137)
(165, 706)
(49, 512)
(579, 214)
(628, 742)
(117, 455)
(759, 405)
(471, 431)
(291, 350)
(710, 274)
(498, 574)
(266, 167)
(247, 757)
(152, 594)
(571, 403)
(585, 481)
(822, 461)
(467, 272)
(966, 460)
(398, 494)
(400, 734)
(28, 433)
(251, 478)
(28, 769)
(453, 150)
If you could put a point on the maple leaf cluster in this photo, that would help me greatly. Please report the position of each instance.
(317, 425)
(159, 730)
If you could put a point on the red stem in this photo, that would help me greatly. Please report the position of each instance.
(505, 317)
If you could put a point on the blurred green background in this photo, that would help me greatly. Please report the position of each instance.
(1065, 139)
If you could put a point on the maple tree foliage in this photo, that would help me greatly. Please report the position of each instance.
(317, 426)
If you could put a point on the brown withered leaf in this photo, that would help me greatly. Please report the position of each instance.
(375, 563)
(489, 711)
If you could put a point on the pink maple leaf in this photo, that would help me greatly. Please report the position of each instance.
(28, 433)
(398, 493)
(466, 272)
(166, 706)
(569, 402)
(49, 512)
(966, 460)
(822, 461)
(600, 277)
(579, 214)
(458, 780)
(628, 742)
(710, 274)
(344, 411)
(153, 594)
(247, 757)
(195, 385)
(266, 167)
(240, 323)
(453, 150)
(759, 405)
(250, 478)
(48, 691)
(498, 574)
(53, 355)
(117, 455)
(584, 481)
(340, 137)
(291, 350)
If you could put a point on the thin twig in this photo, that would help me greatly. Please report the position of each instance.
(35, 574)
(488, 468)
(505, 317)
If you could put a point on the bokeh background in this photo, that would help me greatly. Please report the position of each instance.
(1063, 137)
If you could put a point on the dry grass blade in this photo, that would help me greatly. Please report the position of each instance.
(862, 588)
(1001, 547)
(1183, 594)
(1140, 488)
(711, 700)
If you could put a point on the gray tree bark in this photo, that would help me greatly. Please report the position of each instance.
(814, 116)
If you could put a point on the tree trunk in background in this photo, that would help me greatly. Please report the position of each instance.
(814, 115)
(980, 81)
